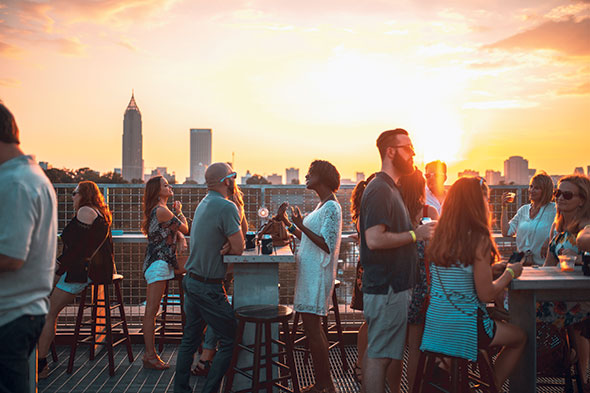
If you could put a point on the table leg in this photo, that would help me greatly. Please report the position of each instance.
(522, 305)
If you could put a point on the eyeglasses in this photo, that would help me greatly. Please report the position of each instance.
(567, 195)
(408, 147)
(74, 193)
(228, 176)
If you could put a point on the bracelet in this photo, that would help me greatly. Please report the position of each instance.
(292, 228)
(509, 270)
(413, 234)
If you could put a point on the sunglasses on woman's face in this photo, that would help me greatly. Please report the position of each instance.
(74, 193)
(567, 195)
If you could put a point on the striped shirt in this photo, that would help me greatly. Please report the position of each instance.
(451, 319)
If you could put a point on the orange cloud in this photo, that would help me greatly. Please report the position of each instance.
(8, 50)
(567, 36)
(9, 82)
(582, 89)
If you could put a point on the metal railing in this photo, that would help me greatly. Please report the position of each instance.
(125, 202)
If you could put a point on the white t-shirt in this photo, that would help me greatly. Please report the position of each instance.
(531, 234)
(28, 231)
(433, 201)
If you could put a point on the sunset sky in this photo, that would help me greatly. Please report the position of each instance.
(284, 82)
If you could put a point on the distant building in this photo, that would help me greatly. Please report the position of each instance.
(245, 177)
(347, 182)
(555, 178)
(588, 170)
(360, 176)
(132, 142)
(516, 170)
(468, 172)
(161, 171)
(44, 165)
(275, 179)
(200, 154)
(579, 170)
(117, 171)
(493, 177)
(292, 174)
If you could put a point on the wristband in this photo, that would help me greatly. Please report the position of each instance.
(413, 236)
(292, 228)
(509, 270)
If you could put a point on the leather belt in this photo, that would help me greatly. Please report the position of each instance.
(205, 280)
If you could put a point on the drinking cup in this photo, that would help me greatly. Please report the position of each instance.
(266, 245)
(511, 196)
(250, 240)
(567, 262)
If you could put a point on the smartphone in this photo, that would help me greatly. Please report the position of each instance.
(516, 257)
(425, 220)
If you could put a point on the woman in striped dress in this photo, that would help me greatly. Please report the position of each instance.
(461, 254)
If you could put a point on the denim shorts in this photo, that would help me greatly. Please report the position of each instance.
(71, 287)
(159, 271)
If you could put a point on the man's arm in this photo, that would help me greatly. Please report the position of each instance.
(379, 239)
(9, 264)
(236, 243)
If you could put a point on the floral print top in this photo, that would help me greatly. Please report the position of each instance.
(161, 241)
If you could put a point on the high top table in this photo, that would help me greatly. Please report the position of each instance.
(537, 285)
(256, 281)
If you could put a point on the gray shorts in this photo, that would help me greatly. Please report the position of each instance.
(387, 318)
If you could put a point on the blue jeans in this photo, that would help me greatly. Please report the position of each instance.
(17, 340)
(205, 304)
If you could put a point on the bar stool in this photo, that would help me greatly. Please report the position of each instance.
(299, 336)
(263, 316)
(106, 306)
(171, 321)
(460, 375)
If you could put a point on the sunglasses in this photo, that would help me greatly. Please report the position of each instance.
(228, 176)
(74, 193)
(408, 147)
(567, 195)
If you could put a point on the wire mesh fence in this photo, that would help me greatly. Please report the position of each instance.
(125, 202)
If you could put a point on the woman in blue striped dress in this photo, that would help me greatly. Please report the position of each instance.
(461, 254)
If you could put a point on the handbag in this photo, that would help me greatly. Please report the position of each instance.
(96, 268)
(277, 231)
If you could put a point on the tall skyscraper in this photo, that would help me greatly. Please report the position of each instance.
(292, 175)
(516, 170)
(200, 153)
(132, 142)
(493, 177)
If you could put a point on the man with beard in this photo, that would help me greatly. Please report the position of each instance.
(215, 231)
(389, 257)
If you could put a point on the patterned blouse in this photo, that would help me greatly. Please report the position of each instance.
(161, 241)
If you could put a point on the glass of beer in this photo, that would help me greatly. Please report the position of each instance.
(511, 196)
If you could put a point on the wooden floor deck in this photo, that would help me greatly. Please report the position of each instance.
(93, 376)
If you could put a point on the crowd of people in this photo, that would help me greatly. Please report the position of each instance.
(428, 264)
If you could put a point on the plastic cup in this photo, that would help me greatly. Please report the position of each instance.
(567, 262)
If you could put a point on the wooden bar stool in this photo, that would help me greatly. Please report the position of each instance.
(101, 307)
(299, 336)
(171, 321)
(461, 374)
(263, 316)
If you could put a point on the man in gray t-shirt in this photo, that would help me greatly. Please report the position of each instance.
(215, 231)
(28, 238)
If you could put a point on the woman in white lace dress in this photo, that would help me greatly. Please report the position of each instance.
(317, 258)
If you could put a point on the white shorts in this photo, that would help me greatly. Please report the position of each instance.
(159, 271)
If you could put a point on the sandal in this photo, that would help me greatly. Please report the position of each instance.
(357, 373)
(202, 368)
(154, 363)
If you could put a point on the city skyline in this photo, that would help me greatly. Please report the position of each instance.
(473, 82)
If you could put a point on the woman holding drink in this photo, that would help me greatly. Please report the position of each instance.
(532, 222)
(571, 223)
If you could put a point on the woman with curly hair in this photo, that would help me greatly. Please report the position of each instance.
(317, 258)
(86, 238)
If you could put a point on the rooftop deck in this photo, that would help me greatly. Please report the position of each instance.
(93, 376)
